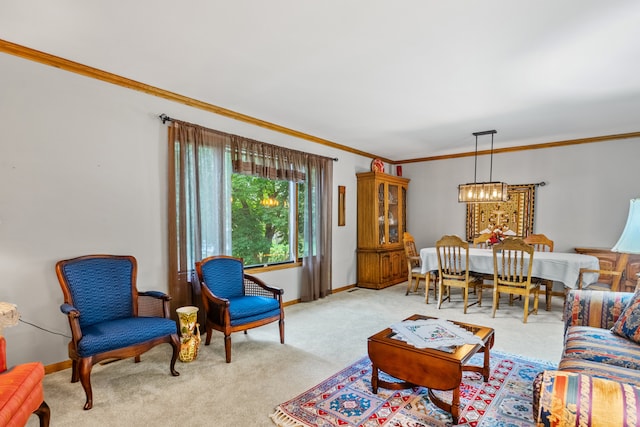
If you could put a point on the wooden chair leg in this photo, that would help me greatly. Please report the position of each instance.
(75, 376)
(427, 286)
(435, 284)
(465, 292)
(281, 327)
(409, 284)
(440, 291)
(208, 330)
(44, 414)
(84, 367)
(175, 343)
(227, 348)
(548, 291)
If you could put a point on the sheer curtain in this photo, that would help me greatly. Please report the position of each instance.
(316, 263)
(201, 162)
(199, 215)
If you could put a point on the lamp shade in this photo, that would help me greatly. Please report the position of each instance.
(629, 241)
(8, 315)
(483, 192)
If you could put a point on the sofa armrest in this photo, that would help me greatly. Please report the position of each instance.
(564, 399)
(598, 309)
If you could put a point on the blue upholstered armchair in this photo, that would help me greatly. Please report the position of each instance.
(235, 301)
(101, 303)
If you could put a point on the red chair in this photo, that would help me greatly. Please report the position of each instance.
(21, 392)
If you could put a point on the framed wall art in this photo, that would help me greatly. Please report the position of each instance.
(341, 201)
(514, 217)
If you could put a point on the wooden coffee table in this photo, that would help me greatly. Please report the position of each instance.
(427, 367)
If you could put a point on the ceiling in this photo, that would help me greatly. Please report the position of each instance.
(400, 79)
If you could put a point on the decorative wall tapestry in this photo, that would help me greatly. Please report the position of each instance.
(514, 217)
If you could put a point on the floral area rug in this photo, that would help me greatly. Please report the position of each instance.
(346, 399)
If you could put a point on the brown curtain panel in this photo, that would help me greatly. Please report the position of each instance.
(197, 191)
(316, 263)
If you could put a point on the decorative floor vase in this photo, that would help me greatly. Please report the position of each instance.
(189, 333)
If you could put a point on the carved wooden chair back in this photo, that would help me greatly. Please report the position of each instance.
(512, 266)
(540, 242)
(453, 259)
(414, 268)
(481, 241)
(410, 251)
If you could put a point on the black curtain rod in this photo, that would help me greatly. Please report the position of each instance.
(166, 119)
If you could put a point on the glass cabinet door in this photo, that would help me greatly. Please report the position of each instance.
(404, 210)
(393, 213)
(381, 200)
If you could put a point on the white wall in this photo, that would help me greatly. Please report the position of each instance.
(585, 201)
(83, 170)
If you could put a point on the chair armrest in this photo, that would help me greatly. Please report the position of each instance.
(413, 261)
(597, 309)
(153, 304)
(216, 308)
(73, 315)
(69, 309)
(155, 294)
(612, 273)
(255, 286)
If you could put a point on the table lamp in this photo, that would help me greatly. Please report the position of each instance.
(629, 242)
(8, 315)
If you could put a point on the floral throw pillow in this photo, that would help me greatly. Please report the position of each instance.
(628, 324)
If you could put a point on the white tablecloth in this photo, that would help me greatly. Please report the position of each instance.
(558, 266)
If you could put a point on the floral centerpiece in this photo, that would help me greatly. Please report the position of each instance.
(497, 236)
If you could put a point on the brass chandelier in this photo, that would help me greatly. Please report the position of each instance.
(483, 192)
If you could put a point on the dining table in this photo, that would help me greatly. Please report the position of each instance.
(561, 267)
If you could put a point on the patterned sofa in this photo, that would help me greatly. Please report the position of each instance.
(597, 382)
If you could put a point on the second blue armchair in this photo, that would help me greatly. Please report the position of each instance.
(235, 301)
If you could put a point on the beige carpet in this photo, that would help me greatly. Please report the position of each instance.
(321, 338)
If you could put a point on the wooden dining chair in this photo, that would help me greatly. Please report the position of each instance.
(481, 241)
(414, 267)
(512, 264)
(542, 243)
(608, 278)
(453, 259)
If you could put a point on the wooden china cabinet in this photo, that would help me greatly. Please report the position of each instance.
(382, 220)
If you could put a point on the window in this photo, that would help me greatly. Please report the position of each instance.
(263, 220)
(230, 195)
